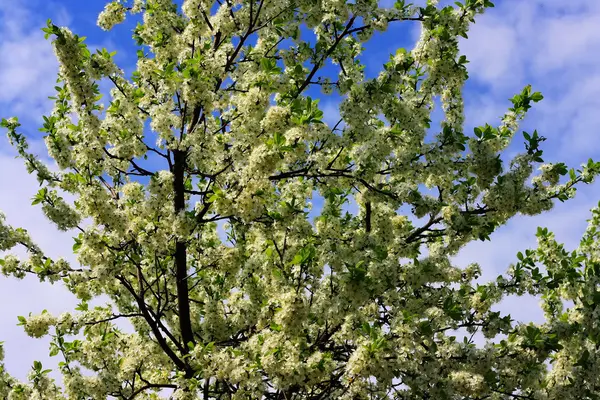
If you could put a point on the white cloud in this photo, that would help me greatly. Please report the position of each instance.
(518, 39)
(28, 66)
(491, 61)
(331, 113)
(21, 297)
(28, 70)
(568, 222)
(551, 44)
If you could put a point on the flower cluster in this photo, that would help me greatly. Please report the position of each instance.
(38, 325)
(113, 14)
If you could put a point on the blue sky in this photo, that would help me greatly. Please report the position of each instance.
(551, 44)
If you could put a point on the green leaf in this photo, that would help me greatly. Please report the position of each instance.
(425, 328)
(400, 5)
(537, 96)
(54, 350)
(37, 366)
(275, 327)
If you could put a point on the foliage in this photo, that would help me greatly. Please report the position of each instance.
(216, 128)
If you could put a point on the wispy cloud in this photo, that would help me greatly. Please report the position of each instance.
(553, 45)
(28, 70)
(331, 113)
(28, 66)
(21, 297)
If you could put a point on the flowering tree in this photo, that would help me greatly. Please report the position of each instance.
(280, 305)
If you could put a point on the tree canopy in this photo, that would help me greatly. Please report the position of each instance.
(195, 192)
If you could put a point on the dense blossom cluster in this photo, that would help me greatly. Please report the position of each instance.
(215, 198)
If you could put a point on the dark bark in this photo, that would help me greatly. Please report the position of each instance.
(183, 296)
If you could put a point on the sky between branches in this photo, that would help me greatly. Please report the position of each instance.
(551, 44)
